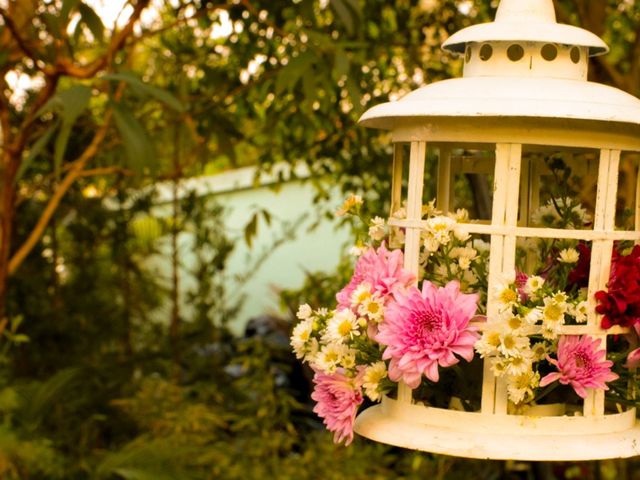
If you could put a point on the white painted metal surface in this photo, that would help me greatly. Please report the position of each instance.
(526, 20)
(524, 84)
(523, 439)
(499, 96)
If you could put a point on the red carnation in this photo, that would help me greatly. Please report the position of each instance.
(579, 276)
(620, 305)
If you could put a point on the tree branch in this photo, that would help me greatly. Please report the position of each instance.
(92, 172)
(21, 42)
(66, 66)
(75, 172)
(5, 115)
(18, 145)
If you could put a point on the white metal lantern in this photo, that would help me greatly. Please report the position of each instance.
(524, 93)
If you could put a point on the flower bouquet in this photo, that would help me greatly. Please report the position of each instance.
(430, 330)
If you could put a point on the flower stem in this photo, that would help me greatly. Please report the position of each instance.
(546, 391)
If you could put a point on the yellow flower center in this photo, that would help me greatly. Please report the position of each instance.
(508, 295)
(509, 342)
(331, 357)
(373, 308)
(493, 339)
(552, 312)
(345, 328)
(515, 323)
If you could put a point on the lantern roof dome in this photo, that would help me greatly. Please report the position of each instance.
(526, 20)
(522, 65)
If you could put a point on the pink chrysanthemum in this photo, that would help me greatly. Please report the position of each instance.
(424, 330)
(338, 398)
(382, 269)
(581, 364)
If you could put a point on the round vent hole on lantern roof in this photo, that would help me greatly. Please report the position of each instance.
(549, 52)
(515, 52)
(485, 52)
(575, 54)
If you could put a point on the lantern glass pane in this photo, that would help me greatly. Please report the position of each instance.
(628, 200)
(559, 188)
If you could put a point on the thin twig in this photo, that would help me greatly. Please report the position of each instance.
(92, 172)
(67, 67)
(21, 42)
(180, 21)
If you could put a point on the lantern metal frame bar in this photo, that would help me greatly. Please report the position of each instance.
(417, 159)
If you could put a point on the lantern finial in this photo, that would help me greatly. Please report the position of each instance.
(526, 11)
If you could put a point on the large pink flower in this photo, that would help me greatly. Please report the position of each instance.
(424, 330)
(338, 398)
(581, 364)
(382, 269)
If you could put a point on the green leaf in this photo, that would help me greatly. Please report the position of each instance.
(20, 338)
(70, 104)
(40, 398)
(289, 75)
(152, 460)
(67, 7)
(267, 216)
(74, 101)
(53, 24)
(309, 86)
(61, 146)
(251, 229)
(355, 94)
(341, 64)
(344, 14)
(92, 21)
(37, 148)
(142, 88)
(137, 145)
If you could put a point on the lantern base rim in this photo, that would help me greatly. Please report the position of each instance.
(376, 424)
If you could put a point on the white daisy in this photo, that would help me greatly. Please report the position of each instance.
(512, 345)
(376, 229)
(372, 308)
(361, 294)
(581, 311)
(533, 284)
(371, 379)
(342, 326)
(304, 311)
(569, 255)
(300, 336)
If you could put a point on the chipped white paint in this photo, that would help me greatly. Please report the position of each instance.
(524, 84)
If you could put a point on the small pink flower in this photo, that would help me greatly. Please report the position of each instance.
(580, 365)
(521, 282)
(424, 330)
(382, 269)
(633, 359)
(338, 398)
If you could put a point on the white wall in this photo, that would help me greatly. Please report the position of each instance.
(284, 265)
